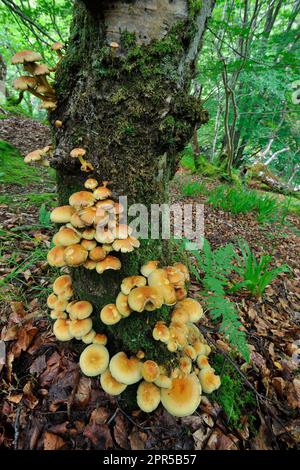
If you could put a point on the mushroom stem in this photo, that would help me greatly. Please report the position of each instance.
(86, 166)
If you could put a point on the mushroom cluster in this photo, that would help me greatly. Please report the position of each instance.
(40, 156)
(178, 389)
(91, 230)
(72, 317)
(37, 82)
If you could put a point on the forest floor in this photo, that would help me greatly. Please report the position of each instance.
(45, 403)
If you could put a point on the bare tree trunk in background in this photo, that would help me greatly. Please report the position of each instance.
(2, 76)
(131, 110)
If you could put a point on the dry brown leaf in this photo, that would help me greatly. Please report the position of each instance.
(99, 435)
(52, 441)
(137, 440)
(99, 416)
(83, 392)
(293, 394)
(120, 432)
(220, 441)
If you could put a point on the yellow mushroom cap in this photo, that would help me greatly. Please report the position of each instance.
(81, 309)
(24, 83)
(190, 352)
(94, 360)
(147, 268)
(185, 364)
(178, 333)
(89, 264)
(124, 246)
(88, 233)
(51, 301)
(61, 330)
(202, 361)
(158, 278)
(67, 293)
(102, 192)
(161, 332)
(55, 256)
(91, 183)
(50, 105)
(125, 370)
(57, 123)
(40, 69)
(57, 46)
(105, 204)
(55, 314)
(130, 282)
(150, 371)
(193, 333)
(122, 231)
(193, 308)
(199, 347)
(80, 328)
(77, 152)
(207, 350)
(172, 345)
(61, 283)
(81, 199)
(145, 298)
(109, 314)
(175, 276)
(26, 56)
(182, 268)
(61, 303)
(169, 294)
(180, 315)
(122, 305)
(163, 381)
(75, 255)
(88, 338)
(88, 215)
(100, 338)
(111, 385)
(66, 236)
(208, 380)
(110, 262)
(34, 156)
(140, 354)
(104, 235)
(97, 254)
(76, 221)
(88, 245)
(148, 397)
(69, 306)
(183, 398)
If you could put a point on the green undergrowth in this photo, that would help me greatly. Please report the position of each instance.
(237, 401)
(13, 170)
(29, 199)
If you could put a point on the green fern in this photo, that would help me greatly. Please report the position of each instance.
(217, 266)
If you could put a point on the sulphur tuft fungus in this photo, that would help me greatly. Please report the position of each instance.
(125, 370)
(148, 397)
(94, 360)
(183, 398)
(110, 385)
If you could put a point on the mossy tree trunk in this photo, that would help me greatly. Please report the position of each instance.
(129, 107)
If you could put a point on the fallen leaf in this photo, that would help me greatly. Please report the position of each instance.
(137, 440)
(83, 392)
(99, 435)
(120, 432)
(52, 441)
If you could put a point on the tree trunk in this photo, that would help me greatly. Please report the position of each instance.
(130, 108)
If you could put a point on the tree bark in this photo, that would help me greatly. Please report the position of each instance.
(131, 109)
